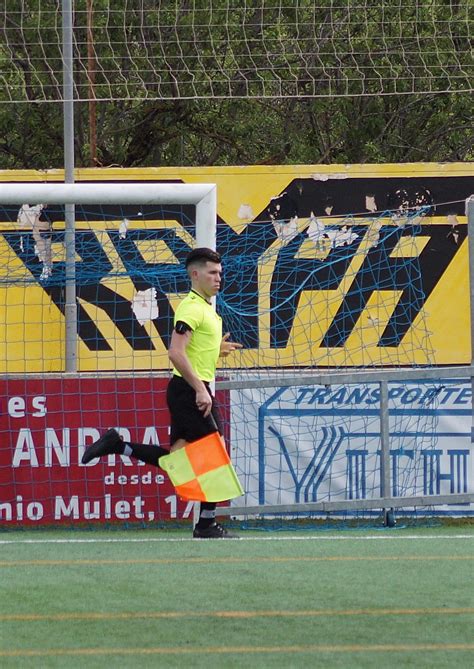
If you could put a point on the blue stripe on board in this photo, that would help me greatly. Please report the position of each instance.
(365, 412)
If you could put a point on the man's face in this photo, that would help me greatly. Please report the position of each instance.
(206, 278)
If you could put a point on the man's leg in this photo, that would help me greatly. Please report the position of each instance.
(206, 527)
(179, 443)
(207, 513)
(187, 425)
(111, 442)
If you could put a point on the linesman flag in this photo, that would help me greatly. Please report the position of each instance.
(202, 471)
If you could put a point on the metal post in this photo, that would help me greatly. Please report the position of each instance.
(206, 220)
(470, 239)
(91, 68)
(70, 310)
(384, 441)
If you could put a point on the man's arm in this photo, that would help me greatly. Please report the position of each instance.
(179, 360)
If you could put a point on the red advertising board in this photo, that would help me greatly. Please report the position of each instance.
(45, 425)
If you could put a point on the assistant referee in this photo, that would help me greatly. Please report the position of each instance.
(196, 344)
(195, 347)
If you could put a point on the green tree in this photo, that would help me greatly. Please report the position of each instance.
(214, 82)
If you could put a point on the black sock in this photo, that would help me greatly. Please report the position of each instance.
(146, 452)
(207, 514)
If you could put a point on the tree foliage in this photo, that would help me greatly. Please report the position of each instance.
(218, 82)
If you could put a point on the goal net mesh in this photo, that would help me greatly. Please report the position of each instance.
(301, 294)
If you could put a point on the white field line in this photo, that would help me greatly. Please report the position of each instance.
(150, 540)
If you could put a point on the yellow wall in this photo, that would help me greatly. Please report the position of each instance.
(32, 338)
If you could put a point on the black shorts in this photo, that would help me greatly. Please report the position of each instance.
(187, 421)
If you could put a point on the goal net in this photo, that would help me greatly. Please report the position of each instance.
(319, 304)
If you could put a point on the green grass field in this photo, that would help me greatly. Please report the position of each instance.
(155, 598)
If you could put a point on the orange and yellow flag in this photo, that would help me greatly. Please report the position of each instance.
(202, 471)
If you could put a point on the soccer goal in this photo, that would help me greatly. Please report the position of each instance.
(126, 271)
(335, 403)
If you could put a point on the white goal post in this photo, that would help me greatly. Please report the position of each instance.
(203, 196)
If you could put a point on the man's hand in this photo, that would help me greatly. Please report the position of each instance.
(204, 402)
(228, 346)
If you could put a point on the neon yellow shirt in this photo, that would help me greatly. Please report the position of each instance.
(204, 346)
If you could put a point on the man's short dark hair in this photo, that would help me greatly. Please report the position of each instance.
(202, 255)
